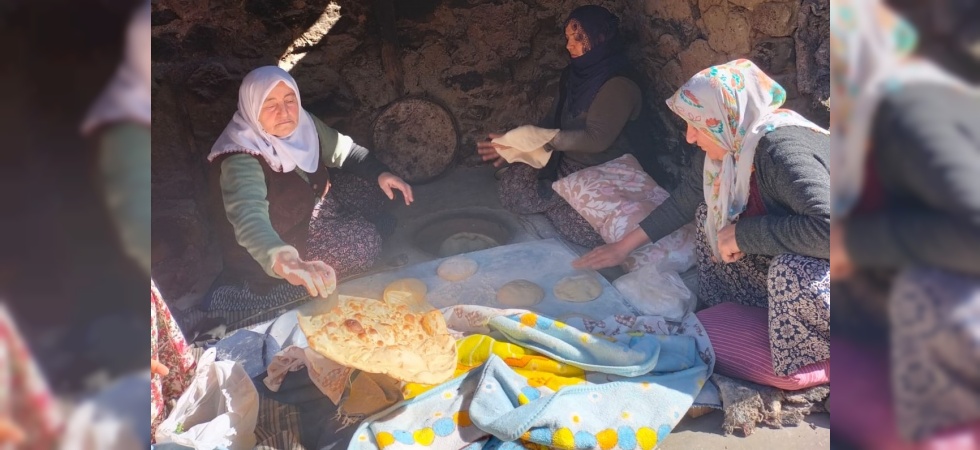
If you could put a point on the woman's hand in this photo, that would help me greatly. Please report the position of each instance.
(488, 151)
(388, 181)
(841, 266)
(612, 254)
(317, 277)
(727, 245)
(156, 368)
(603, 256)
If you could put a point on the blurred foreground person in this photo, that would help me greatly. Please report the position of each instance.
(905, 231)
(29, 416)
(119, 123)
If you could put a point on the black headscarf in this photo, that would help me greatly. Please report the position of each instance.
(606, 58)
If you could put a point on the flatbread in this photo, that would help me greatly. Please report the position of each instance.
(409, 342)
(457, 268)
(520, 294)
(578, 288)
(526, 144)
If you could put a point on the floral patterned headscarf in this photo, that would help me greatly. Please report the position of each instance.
(735, 104)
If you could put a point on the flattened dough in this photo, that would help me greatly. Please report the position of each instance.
(406, 291)
(520, 294)
(578, 288)
(457, 268)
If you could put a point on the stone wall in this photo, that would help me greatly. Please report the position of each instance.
(493, 63)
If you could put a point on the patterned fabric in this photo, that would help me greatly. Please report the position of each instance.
(871, 51)
(341, 235)
(935, 350)
(664, 373)
(278, 427)
(734, 104)
(613, 198)
(740, 337)
(167, 345)
(24, 396)
(476, 349)
(794, 288)
(521, 192)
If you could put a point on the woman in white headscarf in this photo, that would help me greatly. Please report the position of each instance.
(279, 213)
(759, 194)
(905, 236)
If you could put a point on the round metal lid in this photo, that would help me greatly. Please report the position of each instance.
(416, 137)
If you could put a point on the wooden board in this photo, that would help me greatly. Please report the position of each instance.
(416, 137)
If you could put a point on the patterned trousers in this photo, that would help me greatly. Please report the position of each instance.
(794, 288)
(522, 193)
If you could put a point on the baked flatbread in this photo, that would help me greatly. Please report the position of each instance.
(408, 341)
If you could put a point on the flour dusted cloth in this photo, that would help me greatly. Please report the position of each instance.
(526, 145)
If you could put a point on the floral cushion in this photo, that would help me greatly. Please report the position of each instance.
(614, 197)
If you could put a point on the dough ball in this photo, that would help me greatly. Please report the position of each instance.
(457, 268)
(406, 291)
(520, 294)
(465, 242)
(578, 288)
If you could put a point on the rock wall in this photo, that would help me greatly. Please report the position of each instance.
(493, 63)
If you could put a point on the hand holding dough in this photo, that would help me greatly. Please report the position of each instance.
(526, 144)
(520, 294)
(457, 268)
(578, 288)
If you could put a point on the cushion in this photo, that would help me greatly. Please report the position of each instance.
(739, 335)
(614, 197)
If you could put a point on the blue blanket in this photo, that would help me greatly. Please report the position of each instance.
(640, 384)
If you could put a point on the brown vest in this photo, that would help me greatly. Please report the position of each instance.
(291, 203)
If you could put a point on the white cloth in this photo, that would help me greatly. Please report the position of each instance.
(244, 133)
(735, 104)
(128, 95)
(526, 144)
(871, 55)
(329, 376)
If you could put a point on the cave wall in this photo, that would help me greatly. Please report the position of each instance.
(494, 64)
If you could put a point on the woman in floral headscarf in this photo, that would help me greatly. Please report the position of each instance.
(905, 236)
(760, 197)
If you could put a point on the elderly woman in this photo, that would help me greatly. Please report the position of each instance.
(280, 213)
(760, 196)
(905, 238)
(595, 103)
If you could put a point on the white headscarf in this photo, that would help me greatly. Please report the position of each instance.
(244, 133)
(735, 104)
(870, 55)
(128, 95)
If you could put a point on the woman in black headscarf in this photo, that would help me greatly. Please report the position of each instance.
(596, 101)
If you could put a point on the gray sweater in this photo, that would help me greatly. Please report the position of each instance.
(791, 168)
(596, 135)
(926, 151)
